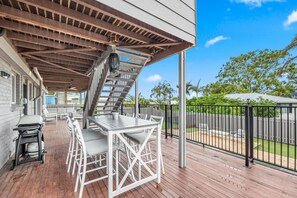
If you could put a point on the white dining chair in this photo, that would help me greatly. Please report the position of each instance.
(88, 134)
(138, 139)
(87, 151)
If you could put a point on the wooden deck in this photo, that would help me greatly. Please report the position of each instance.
(209, 173)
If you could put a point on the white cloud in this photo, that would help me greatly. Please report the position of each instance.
(215, 40)
(292, 18)
(153, 78)
(255, 3)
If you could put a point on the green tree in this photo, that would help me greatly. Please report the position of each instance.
(130, 99)
(253, 72)
(189, 88)
(197, 89)
(289, 61)
(163, 92)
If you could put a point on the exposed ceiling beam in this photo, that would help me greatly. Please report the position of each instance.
(151, 45)
(25, 17)
(171, 51)
(36, 41)
(61, 62)
(91, 53)
(11, 25)
(67, 58)
(49, 68)
(56, 65)
(57, 81)
(67, 12)
(101, 8)
(58, 51)
(29, 45)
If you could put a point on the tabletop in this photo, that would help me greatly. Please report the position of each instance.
(107, 123)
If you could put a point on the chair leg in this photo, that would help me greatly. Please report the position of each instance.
(75, 158)
(117, 169)
(68, 154)
(82, 182)
(71, 157)
(150, 151)
(162, 163)
(78, 172)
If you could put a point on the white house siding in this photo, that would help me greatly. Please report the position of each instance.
(178, 17)
(8, 118)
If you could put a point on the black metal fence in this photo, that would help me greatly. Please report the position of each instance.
(262, 133)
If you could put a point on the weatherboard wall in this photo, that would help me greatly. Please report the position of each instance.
(177, 17)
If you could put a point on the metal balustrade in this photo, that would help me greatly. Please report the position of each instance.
(265, 134)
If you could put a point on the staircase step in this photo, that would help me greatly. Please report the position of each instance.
(130, 54)
(107, 101)
(113, 85)
(120, 79)
(128, 72)
(111, 96)
(128, 64)
(111, 91)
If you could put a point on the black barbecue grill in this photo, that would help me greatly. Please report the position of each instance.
(29, 143)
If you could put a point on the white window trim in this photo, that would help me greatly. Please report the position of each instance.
(13, 89)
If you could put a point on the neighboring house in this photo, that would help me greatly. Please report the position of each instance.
(280, 101)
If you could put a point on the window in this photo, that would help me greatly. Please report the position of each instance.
(13, 88)
(30, 91)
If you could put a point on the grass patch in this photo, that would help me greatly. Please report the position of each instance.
(280, 149)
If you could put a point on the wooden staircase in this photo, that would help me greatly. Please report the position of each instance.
(107, 91)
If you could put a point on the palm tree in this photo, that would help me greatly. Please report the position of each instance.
(162, 92)
(197, 89)
(189, 88)
(291, 46)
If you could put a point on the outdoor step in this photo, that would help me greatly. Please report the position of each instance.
(111, 91)
(128, 64)
(111, 97)
(107, 101)
(120, 79)
(113, 85)
(128, 72)
(131, 55)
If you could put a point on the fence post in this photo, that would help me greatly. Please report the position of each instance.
(166, 118)
(246, 136)
(138, 108)
(251, 133)
(171, 121)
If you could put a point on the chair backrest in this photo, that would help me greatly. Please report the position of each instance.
(78, 136)
(142, 116)
(157, 119)
(70, 125)
(45, 111)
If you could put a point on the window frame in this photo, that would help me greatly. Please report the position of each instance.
(13, 88)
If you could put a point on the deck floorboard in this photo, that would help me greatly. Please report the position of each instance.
(209, 173)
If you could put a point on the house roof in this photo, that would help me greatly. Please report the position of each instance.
(257, 96)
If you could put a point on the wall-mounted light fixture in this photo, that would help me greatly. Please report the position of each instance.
(4, 74)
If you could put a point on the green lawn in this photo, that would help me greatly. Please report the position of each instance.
(280, 149)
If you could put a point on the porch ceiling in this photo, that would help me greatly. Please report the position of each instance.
(64, 38)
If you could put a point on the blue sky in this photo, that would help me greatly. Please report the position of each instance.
(226, 28)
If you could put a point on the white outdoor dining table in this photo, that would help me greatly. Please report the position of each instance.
(116, 128)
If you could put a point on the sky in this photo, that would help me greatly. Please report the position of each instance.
(226, 28)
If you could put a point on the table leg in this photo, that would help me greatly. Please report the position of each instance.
(110, 166)
(159, 154)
